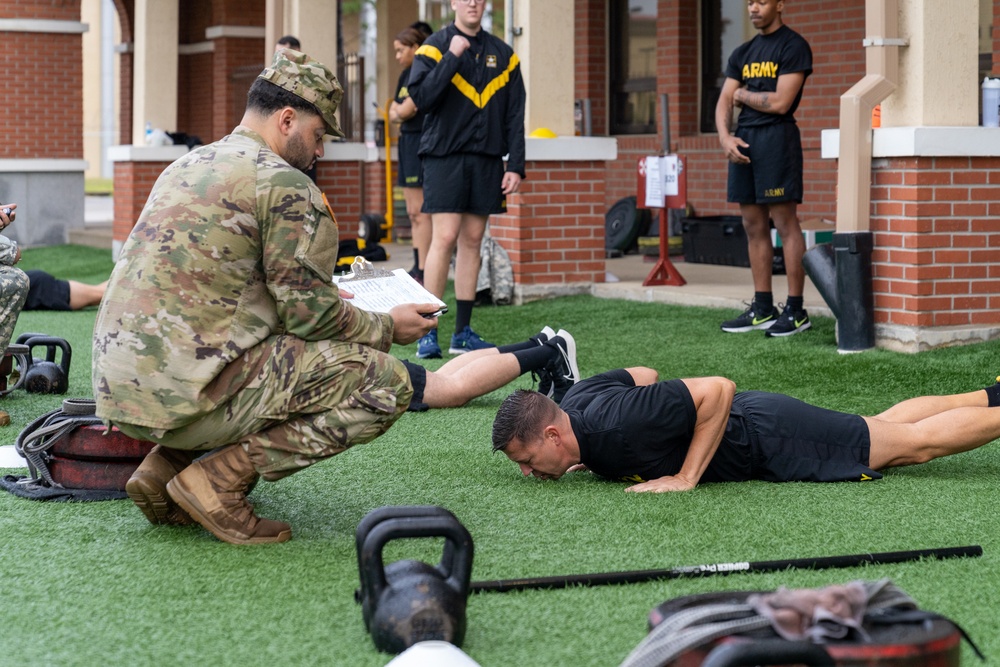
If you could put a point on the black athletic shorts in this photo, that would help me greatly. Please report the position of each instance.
(418, 378)
(774, 174)
(410, 172)
(464, 183)
(792, 441)
(46, 292)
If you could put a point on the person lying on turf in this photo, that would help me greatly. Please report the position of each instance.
(549, 354)
(47, 292)
(668, 436)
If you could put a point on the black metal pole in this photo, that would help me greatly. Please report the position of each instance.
(640, 576)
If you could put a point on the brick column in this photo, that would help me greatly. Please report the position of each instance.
(937, 247)
(936, 262)
(554, 227)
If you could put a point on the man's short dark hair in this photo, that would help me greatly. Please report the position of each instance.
(291, 41)
(522, 416)
(265, 98)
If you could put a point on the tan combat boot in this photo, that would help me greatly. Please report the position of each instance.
(213, 491)
(148, 485)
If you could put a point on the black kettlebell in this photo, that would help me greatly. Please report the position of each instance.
(44, 376)
(410, 601)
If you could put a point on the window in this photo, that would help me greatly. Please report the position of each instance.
(633, 67)
(725, 24)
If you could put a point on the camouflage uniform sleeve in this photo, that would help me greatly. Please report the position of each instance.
(300, 244)
(8, 251)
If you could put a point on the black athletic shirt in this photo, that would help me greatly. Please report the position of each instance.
(635, 434)
(416, 123)
(757, 64)
(630, 433)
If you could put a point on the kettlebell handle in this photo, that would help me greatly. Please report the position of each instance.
(51, 343)
(25, 337)
(380, 514)
(374, 581)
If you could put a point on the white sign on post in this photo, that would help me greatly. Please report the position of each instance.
(654, 182)
(669, 167)
(661, 179)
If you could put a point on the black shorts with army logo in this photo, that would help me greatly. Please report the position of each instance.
(411, 174)
(774, 174)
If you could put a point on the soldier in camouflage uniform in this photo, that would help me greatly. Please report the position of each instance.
(13, 285)
(221, 327)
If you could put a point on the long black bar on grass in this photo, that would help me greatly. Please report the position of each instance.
(639, 576)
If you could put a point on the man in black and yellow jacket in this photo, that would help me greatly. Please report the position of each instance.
(469, 84)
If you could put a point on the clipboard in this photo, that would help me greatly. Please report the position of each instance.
(379, 290)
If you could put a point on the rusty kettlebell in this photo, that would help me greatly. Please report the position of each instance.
(410, 601)
(45, 376)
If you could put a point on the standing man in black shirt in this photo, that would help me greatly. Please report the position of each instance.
(764, 79)
(469, 84)
(669, 436)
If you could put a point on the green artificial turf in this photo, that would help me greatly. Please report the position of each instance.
(95, 584)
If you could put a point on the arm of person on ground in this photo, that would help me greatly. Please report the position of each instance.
(778, 102)
(712, 396)
(724, 120)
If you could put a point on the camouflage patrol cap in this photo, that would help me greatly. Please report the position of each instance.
(309, 79)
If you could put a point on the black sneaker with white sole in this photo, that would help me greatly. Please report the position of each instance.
(789, 323)
(562, 370)
(544, 380)
(752, 319)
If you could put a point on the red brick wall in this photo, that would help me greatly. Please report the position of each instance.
(194, 80)
(374, 187)
(64, 10)
(43, 116)
(133, 183)
(937, 247)
(343, 185)
(554, 227)
(232, 54)
(239, 12)
(229, 95)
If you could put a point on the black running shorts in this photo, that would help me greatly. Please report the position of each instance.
(410, 171)
(418, 378)
(774, 174)
(46, 292)
(464, 183)
(792, 441)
